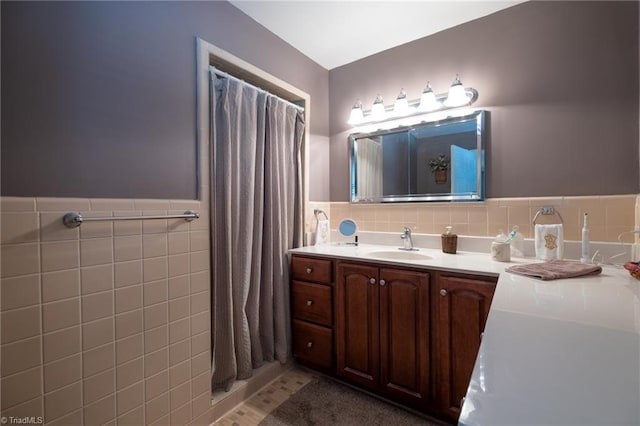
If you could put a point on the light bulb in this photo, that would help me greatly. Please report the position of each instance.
(356, 116)
(401, 106)
(377, 110)
(428, 101)
(457, 94)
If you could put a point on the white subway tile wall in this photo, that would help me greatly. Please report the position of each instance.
(109, 322)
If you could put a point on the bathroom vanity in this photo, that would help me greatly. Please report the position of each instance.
(457, 338)
(406, 332)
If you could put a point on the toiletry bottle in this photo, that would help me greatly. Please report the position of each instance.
(517, 243)
(449, 241)
(585, 241)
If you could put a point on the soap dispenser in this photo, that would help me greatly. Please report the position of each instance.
(449, 241)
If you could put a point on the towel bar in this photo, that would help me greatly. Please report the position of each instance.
(73, 220)
(547, 211)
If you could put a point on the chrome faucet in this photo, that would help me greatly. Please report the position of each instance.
(406, 237)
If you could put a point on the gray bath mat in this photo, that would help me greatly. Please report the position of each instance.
(324, 402)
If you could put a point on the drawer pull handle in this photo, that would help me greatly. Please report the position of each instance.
(383, 282)
(462, 401)
(372, 280)
(443, 292)
(309, 344)
(309, 270)
(309, 302)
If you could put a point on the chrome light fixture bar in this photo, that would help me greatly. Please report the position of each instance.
(457, 96)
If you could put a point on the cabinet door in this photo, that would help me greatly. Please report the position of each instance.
(356, 326)
(404, 334)
(463, 307)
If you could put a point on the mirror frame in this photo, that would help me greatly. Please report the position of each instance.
(429, 120)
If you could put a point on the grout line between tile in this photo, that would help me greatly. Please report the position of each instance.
(9, 310)
(63, 387)
(82, 351)
(113, 318)
(40, 272)
(144, 350)
(7, 376)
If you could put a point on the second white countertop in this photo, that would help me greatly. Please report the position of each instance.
(561, 352)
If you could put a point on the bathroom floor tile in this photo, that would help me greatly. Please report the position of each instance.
(256, 408)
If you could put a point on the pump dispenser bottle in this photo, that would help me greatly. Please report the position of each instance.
(585, 241)
(449, 241)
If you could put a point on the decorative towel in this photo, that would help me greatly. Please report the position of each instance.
(322, 232)
(555, 269)
(549, 242)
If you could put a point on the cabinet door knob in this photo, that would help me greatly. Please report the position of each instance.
(309, 344)
(309, 270)
(481, 336)
(382, 282)
(309, 302)
(372, 280)
(443, 292)
(462, 401)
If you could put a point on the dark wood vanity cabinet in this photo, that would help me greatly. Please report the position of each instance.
(312, 312)
(408, 334)
(461, 308)
(382, 330)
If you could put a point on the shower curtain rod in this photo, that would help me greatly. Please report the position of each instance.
(227, 75)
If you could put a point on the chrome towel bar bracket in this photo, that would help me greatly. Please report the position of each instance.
(73, 220)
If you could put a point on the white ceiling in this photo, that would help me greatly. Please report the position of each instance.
(334, 33)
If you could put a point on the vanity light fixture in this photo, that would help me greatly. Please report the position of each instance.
(357, 116)
(378, 112)
(457, 96)
(428, 101)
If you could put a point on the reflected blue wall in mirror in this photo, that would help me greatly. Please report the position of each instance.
(436, 160)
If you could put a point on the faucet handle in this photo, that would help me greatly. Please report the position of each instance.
(407, 230)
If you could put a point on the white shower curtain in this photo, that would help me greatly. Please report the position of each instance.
(256, 216)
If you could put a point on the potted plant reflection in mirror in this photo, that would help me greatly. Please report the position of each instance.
(439, 166)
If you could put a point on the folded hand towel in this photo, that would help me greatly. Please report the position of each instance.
(549, 242)
(555, 269)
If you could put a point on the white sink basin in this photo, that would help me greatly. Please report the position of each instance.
(400, 255)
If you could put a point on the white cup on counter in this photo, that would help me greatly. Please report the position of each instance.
(500, 251)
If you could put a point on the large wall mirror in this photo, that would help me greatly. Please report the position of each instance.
(439, 160)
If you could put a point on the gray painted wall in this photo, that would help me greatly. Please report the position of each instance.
(560, 80)
(99, 98)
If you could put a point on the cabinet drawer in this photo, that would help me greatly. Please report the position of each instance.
(309, 269)
(312, 302)
(313, 344)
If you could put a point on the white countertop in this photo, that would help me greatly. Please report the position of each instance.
(478, 263)
(562, 352)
